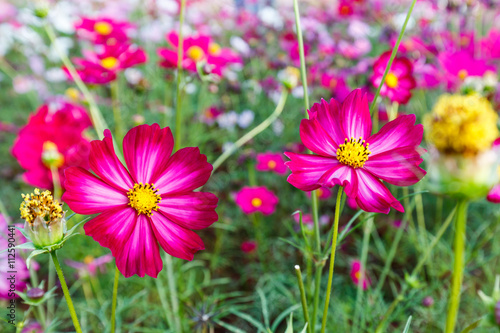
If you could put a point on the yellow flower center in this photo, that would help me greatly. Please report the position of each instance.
(72, 93)
(196, 53)
(271, 164)
(214, 49)
(391, 80)
(353, 153)
(144, 198)
(88, 259)
(40, 204)
(51, 157)
(462, 74)
(357, 275)
(109, 62)
(319, 192)
(333, 83)
(256, 202)
(103, 28)
(462, 124)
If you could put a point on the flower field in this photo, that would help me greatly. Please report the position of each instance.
(250, 166)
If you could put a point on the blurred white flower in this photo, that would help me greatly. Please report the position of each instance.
(278, 127)
(245, 119)
(64, 45)
(190, 88)
(6, 38)
(133, 75)
(63, 16)
(55, 74)
(271, 17)
(228, 120)
(226, 146)
(239, 45)
(358, 29)
(36, 64)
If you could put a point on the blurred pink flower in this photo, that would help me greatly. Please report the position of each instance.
(350, 156)
(210, 115)
(104, 30)
(323, 193)
(52, 137)
(195, 49)
(490, 45)
(336, 85)
(270, 161)
(460, 65)
(358, 275)
(90, 265)
(399, 80)
(256, 199)
(153, 199)
(249, 246)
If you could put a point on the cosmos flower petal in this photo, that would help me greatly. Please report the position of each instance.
(174, 239)
(194, 210)
(140, 254)
(253, 199)
(186, 170)
(147, 149)
(401, 132)
(328, 115)
(105, 164)
(494, 194)
(341, 175)
(373, 196)
(397, 166)
(308, 169)
(109, 233)
(316, 139)
(355, 115)
(87, 194)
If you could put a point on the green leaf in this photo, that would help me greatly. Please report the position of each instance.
(407, 327)
(24, 246)
(250, 319)
(289, 326)
(304, 329)
(265, 310)
(283, 315)
(229, 327)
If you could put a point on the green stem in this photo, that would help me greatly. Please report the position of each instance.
(302, 56)
(358, 311)
(254, 132)
(259, 236)
(66, 292)
(178, 101)
(50, 284)
(57, 183)
(458, 266)
(113, 302)
(303, 298)
(391, 59)
(173, 292)
(332, 258)
(115, 102)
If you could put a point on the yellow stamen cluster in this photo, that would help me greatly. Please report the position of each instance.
(103, 28)
(214, 49)
(144, 198)
(462, 74)
(353, 152)
(462, 125)
(109, 62)
(195, 53)
(40, 205)
(256, 202)
(51, 157)
(391, 80)
(271, 164)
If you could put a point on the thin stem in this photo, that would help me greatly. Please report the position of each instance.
(259, 236)
(458, 266)
(332, 258)
(302, 56)
(178, 101)
(57, 183)
(50, 284)
(391, 59)
(364, 254)
(173, 292)
(64, 287)
(254, 132)
(303, 297)
(115, 102)
(113, 302)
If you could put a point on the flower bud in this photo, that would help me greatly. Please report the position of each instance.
(289, 77)
(44, 218)
(51, 157)
(35, 293)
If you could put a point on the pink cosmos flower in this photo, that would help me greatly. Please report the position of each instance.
(358, 275)
(336, 85)
(154, 200)
(19, 266)
(52, 137)
(195, 49)
(102, 67)
(249, 246)
(210, 115)
(103, 30)
(399, 80)
(271, 162)
(252, 199)
(323, 193)
(350, 156)
(90, 265)
(490, 45)
(460, 65)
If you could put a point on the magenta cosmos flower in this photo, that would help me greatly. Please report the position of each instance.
(399, 80)
(252, 199)
(271, 162)
(102, 67)
(151, 203)
(350, 156)
(195, 49)
(54, 138)
(103, 30)
(358, 275)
